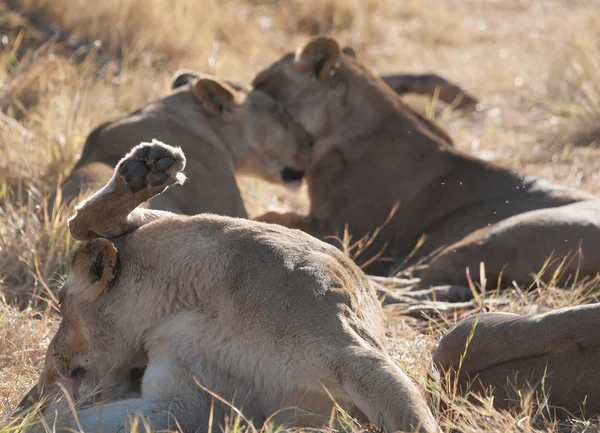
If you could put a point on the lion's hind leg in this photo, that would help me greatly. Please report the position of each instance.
(146, 171)
(381, 390)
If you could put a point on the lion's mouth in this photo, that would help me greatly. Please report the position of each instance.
(75, 382)
(75, 378)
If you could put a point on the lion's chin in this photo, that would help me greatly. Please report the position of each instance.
(294, 185)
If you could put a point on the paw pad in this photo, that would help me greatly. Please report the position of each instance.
(148, 165)
(157, 179)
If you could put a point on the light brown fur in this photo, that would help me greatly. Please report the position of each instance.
(214, 155)
(431, 85)
(507, 352)
(372, 152)
(224, 129)
(260, 314)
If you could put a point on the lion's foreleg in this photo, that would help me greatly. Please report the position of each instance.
(143, 173)
(113, 417)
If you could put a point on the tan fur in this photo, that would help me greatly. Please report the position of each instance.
(431, 85)
(508, 352)
(224, 129)
(426, 84)
(268, 317)
(372, 153)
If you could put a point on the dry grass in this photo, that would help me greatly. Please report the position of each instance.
(534, 63)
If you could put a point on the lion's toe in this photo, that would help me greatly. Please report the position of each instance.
(153, 165)
(135, 174)
(156, 152)
(167, 160)
(157, 179)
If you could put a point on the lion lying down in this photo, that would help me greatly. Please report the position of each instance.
(270, 318)
(508, 352)
(222, 127)
(225, 129)
(373, 153)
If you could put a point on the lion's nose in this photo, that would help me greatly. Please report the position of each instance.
(290, 175)
(77, 373)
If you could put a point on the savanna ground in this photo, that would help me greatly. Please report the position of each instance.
(534, 64)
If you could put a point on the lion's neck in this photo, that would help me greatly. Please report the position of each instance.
(357, 182)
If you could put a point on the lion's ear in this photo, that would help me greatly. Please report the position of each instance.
(31, 398)
(182, 77)
(319, 57)
(349, 51)
(215, 96)
(93, 269)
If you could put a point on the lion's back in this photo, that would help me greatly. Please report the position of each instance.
(258, 272)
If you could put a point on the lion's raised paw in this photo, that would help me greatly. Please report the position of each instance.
(152, 165)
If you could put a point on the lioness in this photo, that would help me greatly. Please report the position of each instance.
(556, 354)
(372, 152)
(421, 84)
(223, 128)
(272, 319)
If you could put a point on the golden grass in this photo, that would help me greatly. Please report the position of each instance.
(534, 63)
(24, 336)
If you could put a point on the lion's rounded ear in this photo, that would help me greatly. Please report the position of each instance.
(30, 399)
(93, 269)
(182, 77)
(215, 96)
(319, 57)
(349, 51)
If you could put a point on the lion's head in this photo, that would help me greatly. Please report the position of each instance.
(313, 84)
(88, 355)
(272, 144)
(330, 92)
